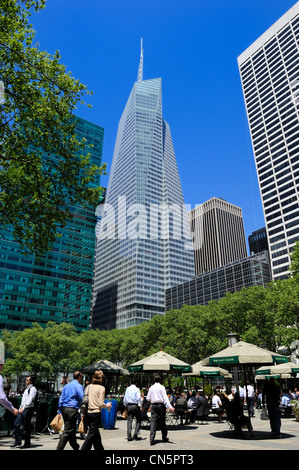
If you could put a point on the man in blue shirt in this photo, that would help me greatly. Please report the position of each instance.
(132, 401)
(69, 405)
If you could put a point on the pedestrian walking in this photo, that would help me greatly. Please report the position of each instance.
(159, 402)
(68, 407)
(26, 411)
(132, 401)
(96, 401)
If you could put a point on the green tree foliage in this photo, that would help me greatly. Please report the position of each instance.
(267, 317)
(43, 165)
(92, 346)
(294, 267)
(27, 352)
(140, 341)
(284, 301)
(60, 347)
(40, 351)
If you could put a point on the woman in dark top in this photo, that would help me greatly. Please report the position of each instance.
(235, 415)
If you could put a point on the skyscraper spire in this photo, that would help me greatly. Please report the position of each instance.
(140, 70)
(144, 239)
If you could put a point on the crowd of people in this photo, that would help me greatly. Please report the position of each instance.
(188, 406)
(194, 406)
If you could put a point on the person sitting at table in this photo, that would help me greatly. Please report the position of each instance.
(285, 399)
(225, 401)
(286, 403)
(217, 406)
(181, 406)
(235, 415)
(202, 411)
(192, 405)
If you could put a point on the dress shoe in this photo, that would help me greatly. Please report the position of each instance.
(166, 439)
(15, 445)
(152, 443)
(25, 446)
(137, 438)
(130, 439)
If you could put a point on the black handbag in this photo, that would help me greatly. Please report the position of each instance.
(84, 404)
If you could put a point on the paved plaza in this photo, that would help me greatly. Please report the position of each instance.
(211, 436)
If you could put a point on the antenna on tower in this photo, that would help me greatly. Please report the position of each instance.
(140, 70)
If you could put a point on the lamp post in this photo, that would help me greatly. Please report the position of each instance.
(232, 338)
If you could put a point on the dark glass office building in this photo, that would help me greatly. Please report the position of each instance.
(258, 241)
(58, 286)
(213, 285)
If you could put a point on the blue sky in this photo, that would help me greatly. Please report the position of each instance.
(193, 46)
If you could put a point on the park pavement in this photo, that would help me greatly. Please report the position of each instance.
(210, 436)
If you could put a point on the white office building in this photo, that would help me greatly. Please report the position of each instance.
(269, 71)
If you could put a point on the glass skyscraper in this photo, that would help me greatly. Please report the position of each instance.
(269, 71)
(258, 241)
(144, 245)
(213, 285)
(58, 286)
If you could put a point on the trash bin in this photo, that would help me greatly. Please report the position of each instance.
(41, 417)
(109, 415)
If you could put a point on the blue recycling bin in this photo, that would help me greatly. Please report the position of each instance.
(109, 415)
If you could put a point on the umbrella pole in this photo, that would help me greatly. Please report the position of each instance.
(235, 371)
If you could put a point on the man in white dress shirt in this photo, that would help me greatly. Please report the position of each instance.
(132, 401)
(249, 396)
(26, 412)
(159, 402)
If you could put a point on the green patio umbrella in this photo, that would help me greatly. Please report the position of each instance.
(244, 354)
(199, 370)
(107, 367)
(206, 372)
(160, 362)
(284, 371)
